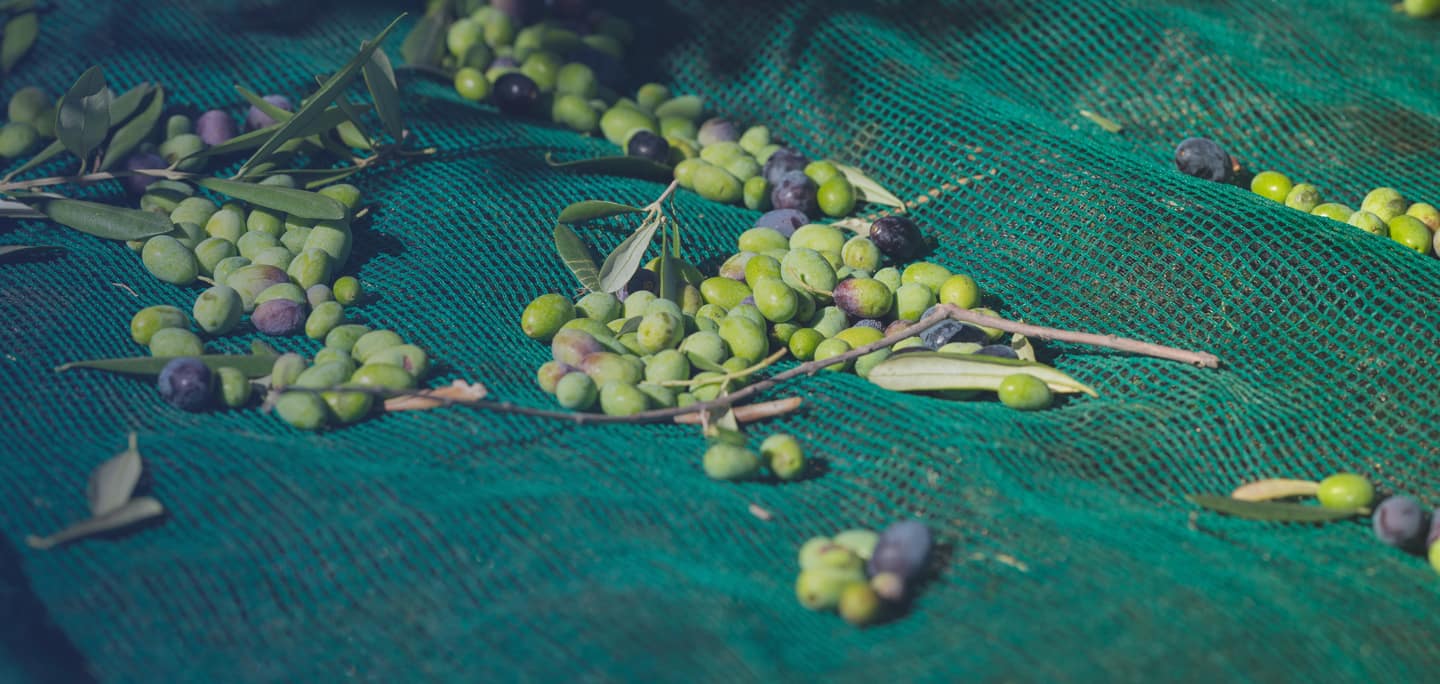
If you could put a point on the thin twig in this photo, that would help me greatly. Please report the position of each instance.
(942, 312)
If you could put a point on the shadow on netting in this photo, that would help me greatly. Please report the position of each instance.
(35, 645)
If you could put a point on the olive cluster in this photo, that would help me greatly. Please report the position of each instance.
(31, 115)
(1383, 211)
(862, 574)
(1400, 520)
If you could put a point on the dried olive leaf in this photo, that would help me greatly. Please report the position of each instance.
(936, 371)
(854, 223)
(55, 147)
(588, 210)
(576, 257)
(112, 482)
(252, 365)
(626, 259)
(104, 220)
(16, 40)
(83, 116)
(458, 390)
(133, 132)
(9, 252)
(135, 511)
(1023, 348)
(867, 189)
(270, 110)
(425, 44)
(380, 80)
(1269, 510)
(301, 203)
(1275, 488)
(322, 98)
(630, 167)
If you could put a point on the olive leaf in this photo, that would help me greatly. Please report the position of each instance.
(380, 80)
(129, 136)
(16, 40)
(576, 257)
(250, 140)
(867, 189)
(127, 103)
(104, 220)
(322, 98)
(854, 223)
(936, 371)
(135, 511)
(630, 325)
(17, 210)
(672, 283)
(425, 44)
(588, 210)
(630, 167)
(301, 203)
(113, 482)
(1023, 348)
(626, 259)
(1275, 488)
(252, 365)
(265, 106)
(8, 252)
(1269, 510)
(83, 116)
(337, 176)
(55, 147)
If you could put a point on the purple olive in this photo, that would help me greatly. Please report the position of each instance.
(898, 557)
(215, 127)
(186, 384)
(279, 317)
(142, 160)
(256, 119)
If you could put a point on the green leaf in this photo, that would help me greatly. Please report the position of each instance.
(626, 259)
(122, 106)
(55, 147)
(83, 117)
(104, 220)
(630, 325)
(630, 167)
(274, 112)
(135, 131)
(425, 45)
(322, 98)
(18, 210)
(1270, 510)
(339, 175)
(301, 203)
(936, 371)
(17, 39)
(588, 210)
(704, 363)
(250, 140)
(252, 365)
(14, 252)
(867, 189)
(672, 283)
(577, 257)
(380, 80)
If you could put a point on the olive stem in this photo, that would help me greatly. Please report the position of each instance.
(942, 313)
(762, 365)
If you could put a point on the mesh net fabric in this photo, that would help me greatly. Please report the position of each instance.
(455, 545)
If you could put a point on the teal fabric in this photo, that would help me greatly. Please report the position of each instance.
(455, 545)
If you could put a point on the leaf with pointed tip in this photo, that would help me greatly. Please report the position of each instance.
(133, 132)
(622, 263)
(104, 220)
(83, 116)
(55, 147)
(321, 99)
(1271, 511)
(250, 140)
(301, 203)
(630, 325)
(265, 106)
(252, 365)
(867, 189)
(16, 40)
(380, 80)
(113, 482)
(14, 252)
(127, 103)
(588, 210)
(133, 512)
(576, 257)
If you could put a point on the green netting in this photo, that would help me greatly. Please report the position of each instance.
(463, 546)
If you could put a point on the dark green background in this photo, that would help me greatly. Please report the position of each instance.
(467, 546)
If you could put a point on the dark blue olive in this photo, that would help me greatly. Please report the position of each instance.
(897, 236)
(783, 161)
(783, 220)
(186, 384)
(647, 145)
(899, 555)
(945, 332)
(644, 279)
(1203, 158)
(1001, 351)
(794, 190)
(1400, 521)
(516, 94)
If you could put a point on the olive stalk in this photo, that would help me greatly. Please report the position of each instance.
(942, 312)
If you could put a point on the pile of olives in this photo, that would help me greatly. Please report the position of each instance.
(861, 574)
(809, 289)
(1400, 520)
(570, 66)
